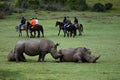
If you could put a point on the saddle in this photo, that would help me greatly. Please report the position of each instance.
(33, 26)
(76, 25)
(68, 25)
(22, 26)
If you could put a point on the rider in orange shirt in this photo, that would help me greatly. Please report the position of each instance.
(33, 22)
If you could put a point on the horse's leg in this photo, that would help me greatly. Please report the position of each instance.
(64, 33)
(42, 32)
(20, 33)
(59, 32)
(74, 33)
(38, 33)
(67, 32)
(79, 32)
(31, 34)
(27, 33)
(34, 33)
(71, 32)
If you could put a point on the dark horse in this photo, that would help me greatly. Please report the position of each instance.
(37, 28)
(25, 27)
(69, 30)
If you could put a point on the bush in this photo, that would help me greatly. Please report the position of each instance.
(77, 5)
(5, 9)
(2, 14)
(108, 6)
(99, 7)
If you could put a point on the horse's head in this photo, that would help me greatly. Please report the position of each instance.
(61, 24)
(16, 27)
(57, 23)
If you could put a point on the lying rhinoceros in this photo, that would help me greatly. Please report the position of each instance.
(80, 54)
(33, 47)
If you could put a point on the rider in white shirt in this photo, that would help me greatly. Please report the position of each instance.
(36, 21)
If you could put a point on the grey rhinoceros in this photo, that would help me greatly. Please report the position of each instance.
(80, 54)
(32, 48)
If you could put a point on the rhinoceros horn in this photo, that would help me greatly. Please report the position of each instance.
(97, 58)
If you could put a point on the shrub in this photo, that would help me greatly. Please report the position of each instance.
(99, 7)
(77, 5)
(5, 9)
(108, 6)
(2, 14)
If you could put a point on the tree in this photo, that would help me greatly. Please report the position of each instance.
(99, 7)
(77, 4)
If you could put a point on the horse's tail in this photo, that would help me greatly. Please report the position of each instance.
(81, 27)
(42, 30)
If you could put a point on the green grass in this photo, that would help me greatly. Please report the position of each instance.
(101, 35)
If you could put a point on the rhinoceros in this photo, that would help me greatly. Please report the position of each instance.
(32, 48)
(80, 54)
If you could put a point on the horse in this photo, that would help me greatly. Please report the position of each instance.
(38, 28)
(23, 28)
(26, 27)
(69, 30)
(79, 27)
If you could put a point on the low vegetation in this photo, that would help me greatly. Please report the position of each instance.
(19, 6)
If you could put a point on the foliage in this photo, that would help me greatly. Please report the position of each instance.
(53, 4)
(5, 9)
(98, 7)
(77, 5)
(22, 4)
(108, 6)
(2, 15)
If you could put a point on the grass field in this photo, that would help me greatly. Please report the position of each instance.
(101, 35)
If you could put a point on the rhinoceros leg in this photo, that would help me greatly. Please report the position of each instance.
(77, 58)
(17, 57)
(41, 57)
(22, 58)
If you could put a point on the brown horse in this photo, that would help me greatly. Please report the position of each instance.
(37, 28)
(69, 30)
(23, 28)
(79, 27)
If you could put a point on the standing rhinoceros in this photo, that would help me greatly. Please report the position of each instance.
(80, 54)
(33, 47)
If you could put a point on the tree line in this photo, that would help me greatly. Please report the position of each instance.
(53, 4)
(7, 7)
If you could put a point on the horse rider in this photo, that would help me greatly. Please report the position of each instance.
(75, 21)
(32, 23)
(64, 20)
(37, 23)
(67, 22)
(23, 21)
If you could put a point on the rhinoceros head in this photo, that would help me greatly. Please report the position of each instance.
(55, 54)
(11, 56)
(88, 57)
(92, 59)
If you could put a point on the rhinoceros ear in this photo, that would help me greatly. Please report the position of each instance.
(57, 44)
